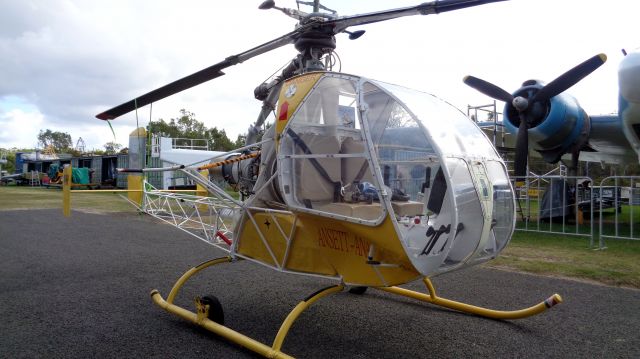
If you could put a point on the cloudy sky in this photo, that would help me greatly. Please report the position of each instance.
(64, 61)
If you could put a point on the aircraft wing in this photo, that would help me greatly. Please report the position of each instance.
(616, 138)
(607, 142)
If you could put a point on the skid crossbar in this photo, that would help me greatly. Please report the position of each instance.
(472, 309)
(228, 333)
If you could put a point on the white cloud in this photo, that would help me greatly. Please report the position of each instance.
(71, 59)
(19, 128)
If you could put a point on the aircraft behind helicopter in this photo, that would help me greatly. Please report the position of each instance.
(360, 181)
(556, 124)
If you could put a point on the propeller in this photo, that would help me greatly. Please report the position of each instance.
(310, 24)
(531, 105)
(488, 89)
(570, 78)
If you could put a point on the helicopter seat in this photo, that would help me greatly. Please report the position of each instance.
(407, 209)
(318, 175)
(354, 169)
(355, 210)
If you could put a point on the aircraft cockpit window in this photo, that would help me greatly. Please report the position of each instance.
(503, 206)
(407, 159)
(332, 102)
(324, 162)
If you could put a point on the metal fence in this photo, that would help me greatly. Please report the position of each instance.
(552, 204)
(623, 194)
(570, 205)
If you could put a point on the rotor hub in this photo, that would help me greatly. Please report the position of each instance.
(316, 39)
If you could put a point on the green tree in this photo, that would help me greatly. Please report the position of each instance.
(10, 166)
(10, 154)
(219, 141)
(162, 128)
(59, 140)
(187, 126)
(242, 139)
(111, 147)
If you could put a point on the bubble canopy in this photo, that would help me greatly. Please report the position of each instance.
(362, 151)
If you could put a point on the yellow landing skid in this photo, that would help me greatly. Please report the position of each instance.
(201, 317)
(472, 309)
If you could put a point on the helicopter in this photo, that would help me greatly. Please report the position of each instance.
(366, 183)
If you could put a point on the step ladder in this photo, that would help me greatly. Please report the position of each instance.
(35, 179)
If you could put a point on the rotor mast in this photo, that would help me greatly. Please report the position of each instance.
(312, 44)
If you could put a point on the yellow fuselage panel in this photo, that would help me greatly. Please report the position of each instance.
(329, 247)
(293, 92)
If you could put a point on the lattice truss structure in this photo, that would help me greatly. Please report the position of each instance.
(208, 218)
(214, 218)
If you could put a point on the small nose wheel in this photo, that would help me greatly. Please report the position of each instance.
(209, 306)
(358, 290)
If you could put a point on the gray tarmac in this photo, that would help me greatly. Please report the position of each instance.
(79, 287)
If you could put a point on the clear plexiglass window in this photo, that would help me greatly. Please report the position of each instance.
(408, 161)
(324, 166)
(445, 177)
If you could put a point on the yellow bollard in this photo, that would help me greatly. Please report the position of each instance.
(66, 190)
(134, 185)
(200, 190)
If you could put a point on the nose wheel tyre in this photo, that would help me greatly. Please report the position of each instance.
(358, 290)
(216, 313)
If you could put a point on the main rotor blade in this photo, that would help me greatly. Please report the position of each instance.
(426, 8)
(337, 26)
(569, 78)
(522, 150)
(488, 89)
(197, 78)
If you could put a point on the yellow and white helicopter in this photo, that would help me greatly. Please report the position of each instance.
(367, 183)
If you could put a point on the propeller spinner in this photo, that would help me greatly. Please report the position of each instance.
(531, 104)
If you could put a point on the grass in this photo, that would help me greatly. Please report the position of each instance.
(629, 213)
(19, 197)
(569, 256)
(628, 221)
(533, 252)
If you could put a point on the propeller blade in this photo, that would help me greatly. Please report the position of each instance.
(197, 78)
(570, 78)
(427, 8)
(488, 89)
(522, 150)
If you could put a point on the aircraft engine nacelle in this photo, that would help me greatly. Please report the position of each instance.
(240, 170)
(556, 126)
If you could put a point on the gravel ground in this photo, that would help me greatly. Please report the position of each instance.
(79, 287)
